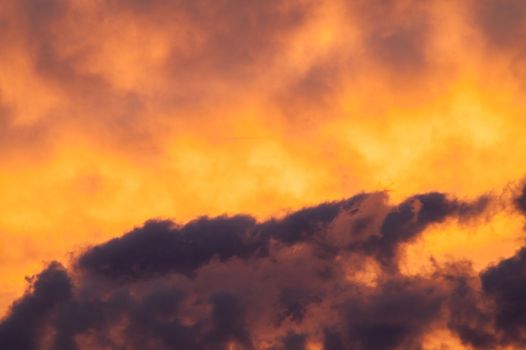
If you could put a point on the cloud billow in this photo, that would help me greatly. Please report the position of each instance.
(277, 284)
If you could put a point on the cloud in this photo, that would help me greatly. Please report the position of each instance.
(492, 314)
(31, 314)
(400, 40)
(129, 110)
(409, 219)
(505, 285)
(501, 22)
(231, 280)
(158, 247)
(393, 315)
(520, 200)
(161, 247)
(294, 341)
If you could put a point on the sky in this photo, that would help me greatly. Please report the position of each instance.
(250, 174)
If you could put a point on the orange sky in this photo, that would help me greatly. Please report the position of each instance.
(114, 112)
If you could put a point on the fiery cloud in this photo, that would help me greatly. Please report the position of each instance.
(117, 112)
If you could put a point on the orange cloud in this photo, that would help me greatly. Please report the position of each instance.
(116, 112)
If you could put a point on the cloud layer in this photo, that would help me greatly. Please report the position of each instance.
(118, 112)
(290, 283)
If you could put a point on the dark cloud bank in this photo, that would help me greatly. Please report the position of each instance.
(218, 282)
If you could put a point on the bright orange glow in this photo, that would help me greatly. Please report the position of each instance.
(131, 117)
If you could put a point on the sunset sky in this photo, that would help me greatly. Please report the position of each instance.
(296, 174)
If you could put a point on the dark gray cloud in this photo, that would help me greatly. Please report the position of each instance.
(29, 316)
(409, 219)
(494, 313)
(160, 247)
(219, 281)
(394, 315)
(469, 318)
(294, 341)
(295, 301)
(505, 284)
(520, 200)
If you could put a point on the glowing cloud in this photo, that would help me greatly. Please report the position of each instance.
(230, 116)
